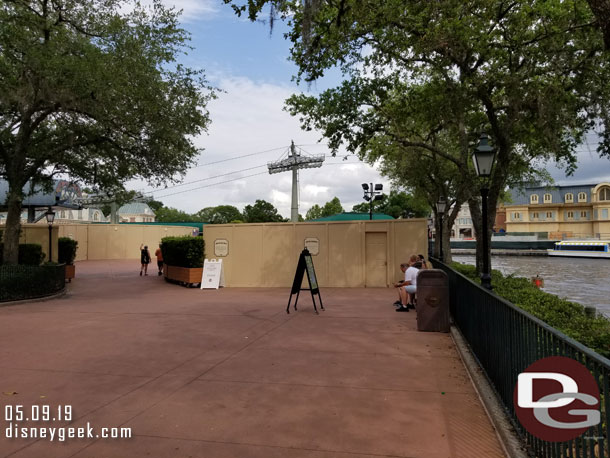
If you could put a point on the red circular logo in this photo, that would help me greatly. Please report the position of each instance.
(557, 399)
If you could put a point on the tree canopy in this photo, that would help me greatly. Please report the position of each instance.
(397, 204)
(221, 214)
(262, 212)
(330, 208)
(93, 92)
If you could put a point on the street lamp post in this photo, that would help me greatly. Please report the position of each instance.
(441, 205)
(483, 158)
(50, 214)
(372, 193)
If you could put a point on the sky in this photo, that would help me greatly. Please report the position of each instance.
(250, 127)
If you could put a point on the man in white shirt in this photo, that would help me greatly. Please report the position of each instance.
(407, 287)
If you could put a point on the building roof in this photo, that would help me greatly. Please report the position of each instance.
(353, 216)
(63, 194)
(522, 196)
(136, 208)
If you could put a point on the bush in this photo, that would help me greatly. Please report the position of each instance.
(30, 254)
(566, 316)
(184, 251)
(66, 250)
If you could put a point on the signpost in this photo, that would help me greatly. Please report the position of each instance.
(212, 276)
(305, 265)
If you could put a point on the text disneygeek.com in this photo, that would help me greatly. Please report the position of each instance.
(17, 417)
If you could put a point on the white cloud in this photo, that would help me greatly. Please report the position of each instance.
(248, 120)
(192, 10)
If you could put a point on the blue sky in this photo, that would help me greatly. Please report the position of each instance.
(251, 66)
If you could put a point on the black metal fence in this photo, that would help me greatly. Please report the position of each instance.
(506, 340)
(18, 282)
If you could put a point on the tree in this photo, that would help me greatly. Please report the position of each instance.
(314, 212)
(261, 212)
(154, 204)
(173, 215)
(531, 74)
(222, 214)
(398, 204)
(93, 92)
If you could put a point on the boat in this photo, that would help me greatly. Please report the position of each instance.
(581, 249)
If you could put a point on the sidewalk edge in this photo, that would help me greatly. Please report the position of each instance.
(510, 441)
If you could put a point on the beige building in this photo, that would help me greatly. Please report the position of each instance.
(345, 253)
(580, 211)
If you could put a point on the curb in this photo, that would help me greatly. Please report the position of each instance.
(35, 299)
(511, 443)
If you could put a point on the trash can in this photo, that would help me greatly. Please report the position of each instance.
(432, 301)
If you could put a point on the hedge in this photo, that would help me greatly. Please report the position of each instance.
(30, 254)
(183, 251)
(66, 250)
(566, 316)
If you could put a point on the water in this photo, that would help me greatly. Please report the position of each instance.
(579, 280)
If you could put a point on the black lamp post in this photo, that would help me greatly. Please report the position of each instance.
(441, 205)
(50, 214)
(483, 158)
(372, 193)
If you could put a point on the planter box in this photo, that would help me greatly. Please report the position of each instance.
(70, 272)
(187, 276)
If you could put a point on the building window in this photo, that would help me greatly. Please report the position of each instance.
(80, 214)
(548, 199)
(516, 216)
(534, 199)
(132, 219)
(582, 196)
(535, 216)
(95, 216)
(583, 214)
(549, 215)
(604, 194)
(62, 214)
(570, 215)
(569, 198)
(604, 213)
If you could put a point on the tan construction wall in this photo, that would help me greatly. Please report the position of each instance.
(117, 241)
(39, 234)
(266, 255)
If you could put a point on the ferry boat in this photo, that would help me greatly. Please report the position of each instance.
(581, 249)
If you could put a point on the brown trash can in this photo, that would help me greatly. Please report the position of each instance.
(432, 301)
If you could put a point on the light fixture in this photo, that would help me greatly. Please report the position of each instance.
(50, 214)
(483, 156)
(365, 186)
(441, 205)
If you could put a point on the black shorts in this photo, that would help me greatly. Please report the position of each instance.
(160, 264)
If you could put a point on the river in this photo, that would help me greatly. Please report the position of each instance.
(581, 280)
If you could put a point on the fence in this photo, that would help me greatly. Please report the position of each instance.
(506, 340)
(18, 282)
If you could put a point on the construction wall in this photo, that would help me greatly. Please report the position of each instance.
(39, 234)
(350, 254)
(117, 241)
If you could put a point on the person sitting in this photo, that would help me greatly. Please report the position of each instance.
(420, 258)
(407, 287)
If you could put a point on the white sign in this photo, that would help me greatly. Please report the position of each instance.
(213, 276)
(313, 245)
(221, 247)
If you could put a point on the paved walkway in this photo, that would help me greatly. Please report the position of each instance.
(227, 373)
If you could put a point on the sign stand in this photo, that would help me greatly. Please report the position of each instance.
(213, 275)
(305, 265)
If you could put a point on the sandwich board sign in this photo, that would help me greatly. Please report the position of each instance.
(305, 264)
(213, 276)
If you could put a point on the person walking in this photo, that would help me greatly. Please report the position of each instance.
(159, 255)
(144, 259)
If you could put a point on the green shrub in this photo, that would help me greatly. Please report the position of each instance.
(566, 316)
(30, 254)
(184, 251)
(66, 250)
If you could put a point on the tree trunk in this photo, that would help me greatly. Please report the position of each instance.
(13, 226)
(601, 10)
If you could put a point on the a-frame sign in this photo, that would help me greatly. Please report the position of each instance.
(305, 265)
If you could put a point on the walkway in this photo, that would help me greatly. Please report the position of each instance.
(227, 373)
